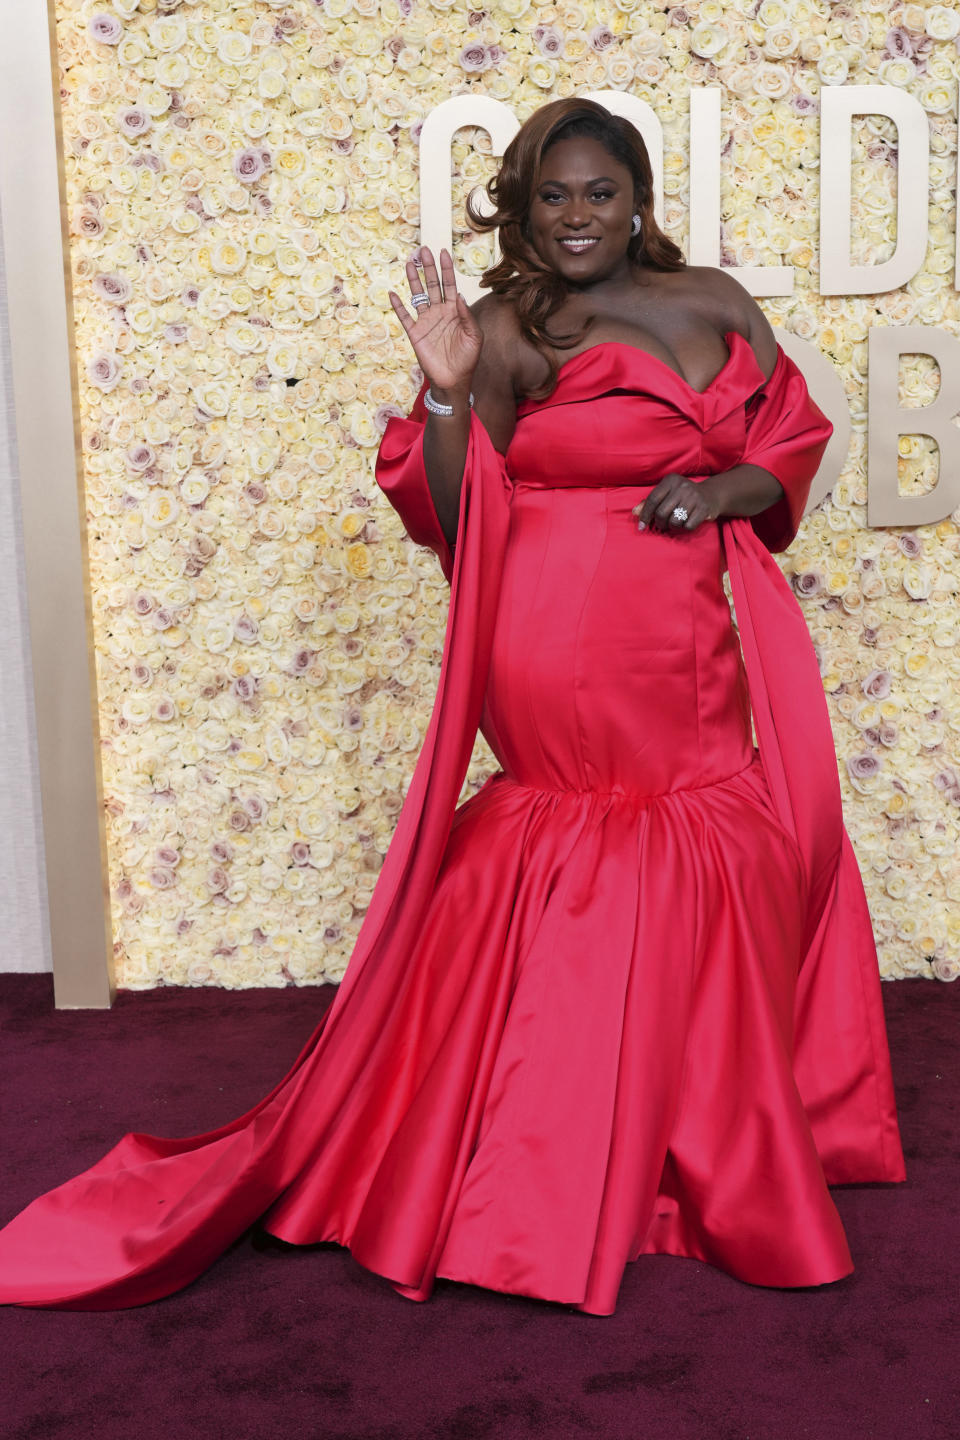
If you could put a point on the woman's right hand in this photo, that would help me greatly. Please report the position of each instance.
(444, 334)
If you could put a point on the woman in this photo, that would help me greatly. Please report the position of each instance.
(625, 999)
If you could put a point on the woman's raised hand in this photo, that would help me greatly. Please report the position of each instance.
(445, 337)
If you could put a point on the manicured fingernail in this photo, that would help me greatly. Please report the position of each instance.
(642, 525)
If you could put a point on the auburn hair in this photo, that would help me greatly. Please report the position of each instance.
(520, 275)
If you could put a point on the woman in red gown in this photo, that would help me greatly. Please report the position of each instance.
(625, 998)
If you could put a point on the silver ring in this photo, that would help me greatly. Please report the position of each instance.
(421, 299)
(678, 513)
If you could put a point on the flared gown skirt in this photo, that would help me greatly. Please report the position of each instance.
(599, 1018)
(586, 1040)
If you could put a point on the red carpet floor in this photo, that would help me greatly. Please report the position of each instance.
(287, 1343)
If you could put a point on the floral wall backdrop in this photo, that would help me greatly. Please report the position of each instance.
(243, 190)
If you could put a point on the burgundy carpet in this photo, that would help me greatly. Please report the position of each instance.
(287, 1343)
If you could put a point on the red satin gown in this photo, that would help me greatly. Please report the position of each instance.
(625, 998)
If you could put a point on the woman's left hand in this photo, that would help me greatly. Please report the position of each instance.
(700, 499)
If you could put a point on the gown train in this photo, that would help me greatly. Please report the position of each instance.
(625, 998)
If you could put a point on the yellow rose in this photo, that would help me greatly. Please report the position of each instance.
(288, 160)
(357, 561)
(160, 509)
(227, 257)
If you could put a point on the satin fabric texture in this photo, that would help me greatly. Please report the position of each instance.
(622, 1000)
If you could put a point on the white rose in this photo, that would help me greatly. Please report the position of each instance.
(212, 397)
(833, 69)
(942, 23)
(234, 48)
(781, 41)
(897, 72)
(282, 358)
(270, 84)
(772, 13)
(195, 487)
(772, 81)
(936, 96)
(168, 33)
(136, 709)
(708, 40)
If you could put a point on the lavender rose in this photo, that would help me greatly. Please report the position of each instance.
(103, 370)
(302, 661)
(245, 687)
(384, 413)
(249, 165)
(245, 629)
(114, 288)
(139, 457)
(475, 57)
(863, 766)
(810, 582)
(877, 684)
(549, 41)
(161, 878)
(134, 121)
(105, 28)
(89, 223)
(898, 44)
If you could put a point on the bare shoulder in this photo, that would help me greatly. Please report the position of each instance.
(501, 335)
(737, 309)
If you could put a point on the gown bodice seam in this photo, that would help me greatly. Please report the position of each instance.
(634, 796)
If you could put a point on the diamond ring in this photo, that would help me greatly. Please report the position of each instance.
(421, 299)
(678, 513)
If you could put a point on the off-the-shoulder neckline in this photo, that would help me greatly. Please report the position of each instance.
(648, 355)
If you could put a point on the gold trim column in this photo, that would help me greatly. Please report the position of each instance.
(54, 513)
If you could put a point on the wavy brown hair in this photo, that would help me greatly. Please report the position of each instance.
(520, 275)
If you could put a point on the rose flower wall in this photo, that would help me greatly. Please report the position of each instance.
(243, 189)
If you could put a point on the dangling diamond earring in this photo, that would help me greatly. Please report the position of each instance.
(637, 225)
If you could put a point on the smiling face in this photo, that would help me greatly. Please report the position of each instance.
(581, 211)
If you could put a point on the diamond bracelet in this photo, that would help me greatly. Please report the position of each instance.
(435, 407)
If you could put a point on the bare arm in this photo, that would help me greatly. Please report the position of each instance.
(460, 351)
